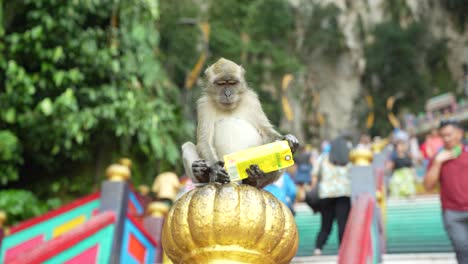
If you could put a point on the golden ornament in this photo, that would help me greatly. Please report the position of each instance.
(229, 223)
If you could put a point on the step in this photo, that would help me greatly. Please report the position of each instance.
(424, 258)
(330, 259)
(433, 258)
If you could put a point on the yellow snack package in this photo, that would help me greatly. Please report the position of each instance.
(269, 157)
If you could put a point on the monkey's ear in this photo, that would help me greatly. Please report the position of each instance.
(208, 74)
(242, 71)
(207, 71)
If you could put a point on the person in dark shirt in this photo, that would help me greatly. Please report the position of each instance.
(303, 175)
(449, 167)
(403, 175)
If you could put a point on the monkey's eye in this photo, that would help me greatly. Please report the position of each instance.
(221, 82)
(232, 82)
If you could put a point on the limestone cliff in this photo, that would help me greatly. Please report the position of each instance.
(338, 82)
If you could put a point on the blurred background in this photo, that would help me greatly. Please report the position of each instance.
(85, 82)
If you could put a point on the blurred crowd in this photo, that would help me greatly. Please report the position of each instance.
(325, 169)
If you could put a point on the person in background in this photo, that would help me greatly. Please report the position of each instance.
(449, 167)
(334, 190)
(303, 161)
(166, 186)
(284, 188)
(402, 182)
(186, 184)
(414, 150)
(365, 142)
(433, 144)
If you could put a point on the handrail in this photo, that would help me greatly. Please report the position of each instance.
(356, 246)
(53, 247)
(49, 215)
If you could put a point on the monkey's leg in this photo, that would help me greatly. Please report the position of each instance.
(195, 167)
(260, 179)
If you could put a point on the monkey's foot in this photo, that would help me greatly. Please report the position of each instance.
(201, 171)
(218, 173)
(257, 177)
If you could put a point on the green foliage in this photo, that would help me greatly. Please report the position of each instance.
(406, 62)
(10, 157)
(398, 9)
(179, 37)
(459, 11)
(79, 76)
(393, 64)
(437, 65)
(322, 32)
(20, 205)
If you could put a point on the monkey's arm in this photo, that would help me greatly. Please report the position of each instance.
(205, 131)
(209, 166)
(266, 129)
(196, 168)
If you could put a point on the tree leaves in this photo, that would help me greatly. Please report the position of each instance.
(74, 84)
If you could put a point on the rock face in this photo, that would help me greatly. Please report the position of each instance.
(339, 83)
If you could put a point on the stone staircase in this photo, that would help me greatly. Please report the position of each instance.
(414, 232)
(412, 226)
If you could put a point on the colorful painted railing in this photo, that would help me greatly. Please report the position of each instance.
(36, 231)
(88, 243)
(135, 203)
(105, 227)
(138, 246)
(358, 244)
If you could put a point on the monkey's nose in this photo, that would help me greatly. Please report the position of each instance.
(227, 93)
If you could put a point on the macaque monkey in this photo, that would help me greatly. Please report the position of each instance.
(230, 119)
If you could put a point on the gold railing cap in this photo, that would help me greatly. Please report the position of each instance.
(118, 172)
(3, 218)
(158, 208)
(143, 189)
(361, 157)
(379, 145)
(126, 162)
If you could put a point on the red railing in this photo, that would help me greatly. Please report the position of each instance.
(356, 246)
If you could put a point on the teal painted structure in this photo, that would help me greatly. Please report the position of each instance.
(308, 225)
(415, 226)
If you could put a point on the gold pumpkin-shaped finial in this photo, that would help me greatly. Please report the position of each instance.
(118, 172)
(361, 157)
(229, 223)
(3, 218)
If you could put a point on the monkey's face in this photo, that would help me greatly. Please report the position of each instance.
(225, 83)
(228, 91)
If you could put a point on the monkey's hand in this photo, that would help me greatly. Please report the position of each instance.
(257, 177)
(292, 141)
(201, 171)
(218, 173)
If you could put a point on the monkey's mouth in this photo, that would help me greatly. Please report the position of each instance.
(227, 104)
(226, 101)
